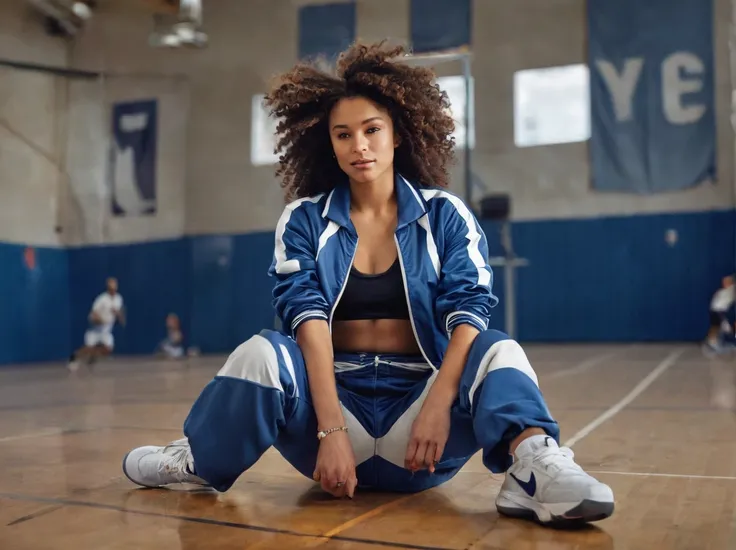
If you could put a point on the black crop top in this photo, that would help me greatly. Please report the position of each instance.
(379, 296)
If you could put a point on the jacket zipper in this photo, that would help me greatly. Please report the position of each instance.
(376, 361)
(408, 304)
(344, 284)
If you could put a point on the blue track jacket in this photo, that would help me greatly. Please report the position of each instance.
(443, 255)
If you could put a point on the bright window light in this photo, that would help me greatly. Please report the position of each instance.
(262, 134)
(455, 88)
(551, 105)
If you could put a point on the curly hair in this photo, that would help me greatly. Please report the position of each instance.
(304, 97)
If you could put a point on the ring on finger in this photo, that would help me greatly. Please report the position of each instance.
(339, 484)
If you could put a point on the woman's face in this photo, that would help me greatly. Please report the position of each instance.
(362, 136)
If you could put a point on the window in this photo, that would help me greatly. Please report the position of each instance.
(455, 88)
(262, 134)
(551, 105)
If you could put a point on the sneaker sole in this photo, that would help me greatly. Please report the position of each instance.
(586, 512)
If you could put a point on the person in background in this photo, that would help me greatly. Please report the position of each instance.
(722, 300)
(172, 347)
(99, 340)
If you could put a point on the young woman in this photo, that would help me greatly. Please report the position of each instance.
(386, 375)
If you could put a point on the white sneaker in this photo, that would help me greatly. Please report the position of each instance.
(160, 466)
(545, 484)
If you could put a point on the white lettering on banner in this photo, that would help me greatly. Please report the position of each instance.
(622, 86)
(134, 123)
(674, 87)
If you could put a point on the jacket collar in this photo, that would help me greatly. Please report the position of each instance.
(411, 204)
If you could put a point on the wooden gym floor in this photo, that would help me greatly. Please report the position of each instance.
(643, 418)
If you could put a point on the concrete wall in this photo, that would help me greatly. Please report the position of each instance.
(23, 39)
(245, 51)
(87, 216)
(553, 181)
(32, 130)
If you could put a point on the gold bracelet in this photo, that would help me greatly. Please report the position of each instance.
(324, 433)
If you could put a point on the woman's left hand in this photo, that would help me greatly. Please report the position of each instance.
(429, 435)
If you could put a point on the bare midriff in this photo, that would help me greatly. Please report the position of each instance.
(375, 336)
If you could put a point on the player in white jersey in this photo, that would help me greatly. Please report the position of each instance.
(99, 340)
(722, 301)
(173, 346)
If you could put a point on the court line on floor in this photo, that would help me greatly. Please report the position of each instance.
(660, 369)
(582, 366)
(40, 513)
(654, 474)
(208, 521)
(332, 533)
(131, 401)
(32, 435)
(54, 507)
(53, 431)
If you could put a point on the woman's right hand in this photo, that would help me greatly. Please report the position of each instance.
(335, 469)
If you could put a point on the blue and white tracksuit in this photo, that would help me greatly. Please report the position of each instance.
(260, 398)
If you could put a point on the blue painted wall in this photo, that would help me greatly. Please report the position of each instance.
(154, 280)
(231, 299)
(616, 279)
(34, 305)
(218, 286)
(590, 280)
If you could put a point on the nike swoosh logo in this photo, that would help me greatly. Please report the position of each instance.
(530, 487)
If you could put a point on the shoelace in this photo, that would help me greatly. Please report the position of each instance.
(561, 457)
(175, 461)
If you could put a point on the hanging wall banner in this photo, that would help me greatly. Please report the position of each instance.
(438, 25)
(133, 158)
(325, 30)
(652, 94)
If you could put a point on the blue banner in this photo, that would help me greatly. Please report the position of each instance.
(325, 30)
(438, 25)
(652, 94)
(133, 157)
